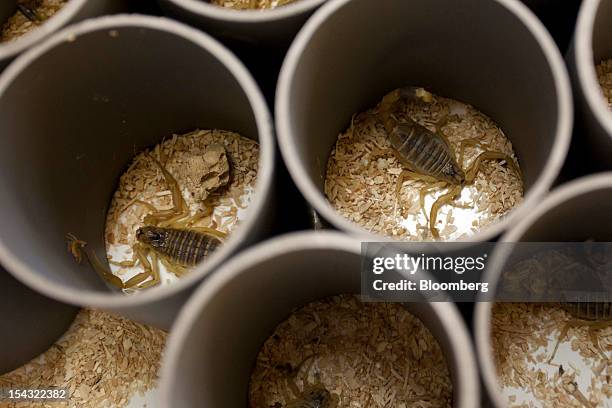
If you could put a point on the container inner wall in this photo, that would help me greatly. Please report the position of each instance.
(602, 40)
(7, 9)
(586, 216)
(221, 348)
(473, 51)
(31, 322)
(73, 119)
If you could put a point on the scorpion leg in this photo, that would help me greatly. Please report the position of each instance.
(471, 142)
(78, 247)
(427, 190)
(293, 383)
(574, 391)
(409, 174)
(136, 280)
(154, 273)
(593, 327)
(445, 120)
(140, 252)
(593, 335)
(174, 268)
(295, 390)
(472, 171)
(149, 206)
(140, 256)
(193, 219)
(125, 264)
(447, 198)
(179, 210)
(285, 394)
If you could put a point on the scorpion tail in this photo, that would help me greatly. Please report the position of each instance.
(390, 100)
(414, 93)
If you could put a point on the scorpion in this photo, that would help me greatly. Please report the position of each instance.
(427, 155)
(594, 315)
(168, 236)
(313, 395)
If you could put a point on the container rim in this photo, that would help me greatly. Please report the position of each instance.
(206, 9)
(540, 187)
(264, 178)
(466, 384)
(482, 310)
(585, 64)
(62, 17)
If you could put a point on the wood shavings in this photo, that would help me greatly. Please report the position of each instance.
(103, 360)
(216, 171)
(523, 337)
(604, 76)
(18, 24)
(251, 4)
(204, 174)
(367, 354)
(362, 174)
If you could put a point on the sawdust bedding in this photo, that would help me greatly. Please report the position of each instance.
(215, 169)
(18, 24)
(366, 354)
(523, 337)
(103, 360)
(251, 4)
(604, 76)
(362, 175)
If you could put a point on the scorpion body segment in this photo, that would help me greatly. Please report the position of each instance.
(592, 311)
(183, 246)
(422, 151)
(416, 147)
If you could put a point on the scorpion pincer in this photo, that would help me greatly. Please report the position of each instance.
(427, 155)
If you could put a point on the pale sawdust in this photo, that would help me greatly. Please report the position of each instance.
(251, 4)
(604, 76)
(102, 359)
(18, 24)
(367, 354)
(521, 340)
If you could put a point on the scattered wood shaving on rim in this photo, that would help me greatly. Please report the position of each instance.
(251, 4)
(604, 76)
(367, 354)
(523, 337)
(102, 359)
(362, 175)
(214, 168)
(18, 24)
